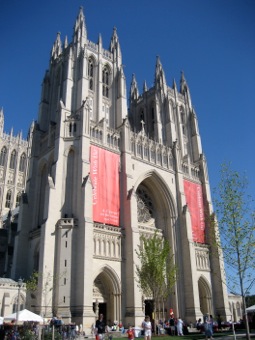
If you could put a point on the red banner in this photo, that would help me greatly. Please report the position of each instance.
(194, 199)
(104, 172)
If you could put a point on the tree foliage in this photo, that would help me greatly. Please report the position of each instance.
(32, 282)
(50, 281)
(235, 214)
(156, 273)
(235, 219)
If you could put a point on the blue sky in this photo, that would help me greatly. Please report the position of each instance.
(212, 41)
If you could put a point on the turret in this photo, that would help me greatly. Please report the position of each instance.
(184, 89)
(115, 48)
(80, 30)
(145, 88)
(134, 92)
(160, 79)
(57, 47)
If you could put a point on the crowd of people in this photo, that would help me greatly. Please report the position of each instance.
(102, 331)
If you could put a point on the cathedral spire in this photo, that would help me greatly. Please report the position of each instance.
(160, 79)
(115, 47)
(57, 47)
(80, 30)
(134, 92)
(183, 83)
(145, 87)
(184, 89)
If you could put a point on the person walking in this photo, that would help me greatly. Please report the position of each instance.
(100, 327)
(179, 327)
(208, 327)
(146, 325)
(130, 333)
(172, 325)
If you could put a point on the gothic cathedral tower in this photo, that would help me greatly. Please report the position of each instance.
(101, 176)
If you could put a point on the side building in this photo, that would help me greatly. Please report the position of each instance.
(101, 175)
(14, 160)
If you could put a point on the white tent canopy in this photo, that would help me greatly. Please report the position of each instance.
(24, 315)
(250, 309)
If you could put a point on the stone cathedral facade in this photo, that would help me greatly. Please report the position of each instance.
(14, 158)
(102, 173)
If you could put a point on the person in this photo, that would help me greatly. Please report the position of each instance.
(199, 324)
(208, 327)
(172, 325)
(179, 327)
(100, 327)
(130, 333)
(146, 325)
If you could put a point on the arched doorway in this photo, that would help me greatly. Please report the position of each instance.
(205, 296)
(156, 210)
(107, 296)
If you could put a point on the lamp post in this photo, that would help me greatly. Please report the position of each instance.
(20, 281)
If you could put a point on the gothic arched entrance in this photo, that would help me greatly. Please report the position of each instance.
(107, 296)
(156, 211)
(205, 296)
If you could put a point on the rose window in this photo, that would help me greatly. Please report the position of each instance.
(144, 206)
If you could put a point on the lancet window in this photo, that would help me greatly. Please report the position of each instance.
(183, 120)
(106, 82)
(13, 159)
(72, 129)
(8, 199)
(18, 199)
(22, 163)
(91, 73)
(3, 156)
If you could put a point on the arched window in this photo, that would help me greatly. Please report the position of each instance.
(3, 156)
(13, 159)
(22, 163)
(18, 199)
(139, 149)
(146, 151)
(90, 73)
(158, 156)
(183, 120)
(72, 129)
(165, 158)
(153, 154)
(8, 199)
(105, 80)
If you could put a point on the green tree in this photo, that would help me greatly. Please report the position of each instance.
(49, 283)
(156, 273)
(236, 232)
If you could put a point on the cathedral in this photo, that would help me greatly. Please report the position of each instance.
(104, 169)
